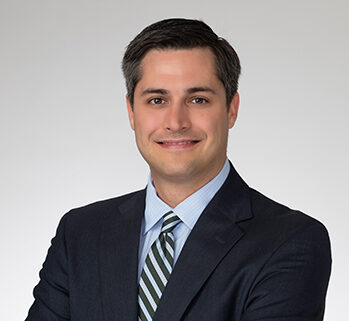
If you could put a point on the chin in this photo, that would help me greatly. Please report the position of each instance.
(174, 171)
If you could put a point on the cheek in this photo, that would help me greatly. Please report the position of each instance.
(212, 123)
(146, 124)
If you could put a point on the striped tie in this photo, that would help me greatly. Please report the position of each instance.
(157, 269)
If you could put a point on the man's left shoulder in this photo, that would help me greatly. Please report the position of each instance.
(272, 217)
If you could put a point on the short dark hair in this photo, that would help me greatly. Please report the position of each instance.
(179, 33)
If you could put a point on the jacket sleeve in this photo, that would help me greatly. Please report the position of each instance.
(292, 284)
(52, 292)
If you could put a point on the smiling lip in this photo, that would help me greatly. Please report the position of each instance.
(177, 144)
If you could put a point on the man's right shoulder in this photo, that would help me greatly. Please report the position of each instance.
(99, 211)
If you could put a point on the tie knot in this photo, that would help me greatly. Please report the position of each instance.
(170, 222)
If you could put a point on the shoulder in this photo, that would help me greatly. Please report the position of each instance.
(279, 222)
(267, 209)
(95, 213)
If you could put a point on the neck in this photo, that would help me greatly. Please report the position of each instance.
(174, 191)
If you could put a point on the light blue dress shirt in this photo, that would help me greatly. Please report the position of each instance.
(188, 211)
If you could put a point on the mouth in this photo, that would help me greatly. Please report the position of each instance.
(178, 144)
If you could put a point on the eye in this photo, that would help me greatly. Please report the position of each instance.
(199, 100)
(156, 101)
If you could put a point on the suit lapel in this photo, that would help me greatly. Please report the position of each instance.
(119, 259)
(214, 234)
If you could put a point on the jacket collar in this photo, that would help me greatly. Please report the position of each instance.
(214, 234)
(119, 259)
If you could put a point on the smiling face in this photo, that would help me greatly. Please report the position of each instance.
(180, 116)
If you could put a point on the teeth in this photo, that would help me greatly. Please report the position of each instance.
(179, 143)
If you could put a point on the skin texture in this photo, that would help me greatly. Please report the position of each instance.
(181, 120)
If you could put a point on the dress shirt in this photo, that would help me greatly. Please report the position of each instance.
(188, 211)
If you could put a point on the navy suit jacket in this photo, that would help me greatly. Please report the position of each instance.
(247, 258)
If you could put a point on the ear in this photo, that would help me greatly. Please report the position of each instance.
(233, 110)
(131, 115)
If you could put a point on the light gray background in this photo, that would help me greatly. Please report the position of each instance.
(65, 139)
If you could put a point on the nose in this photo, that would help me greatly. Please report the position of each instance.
(177, 118)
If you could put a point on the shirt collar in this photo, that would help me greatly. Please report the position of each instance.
(190, 209)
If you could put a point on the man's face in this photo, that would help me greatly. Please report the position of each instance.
(180, 116)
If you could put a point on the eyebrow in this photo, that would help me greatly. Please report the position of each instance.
(200, 89)
(191, 90)
(154, 91)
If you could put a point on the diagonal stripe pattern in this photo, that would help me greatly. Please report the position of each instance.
(157, 269)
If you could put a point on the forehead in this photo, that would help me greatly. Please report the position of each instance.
(178, 67)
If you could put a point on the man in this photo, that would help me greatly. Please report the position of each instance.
(197, 243)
